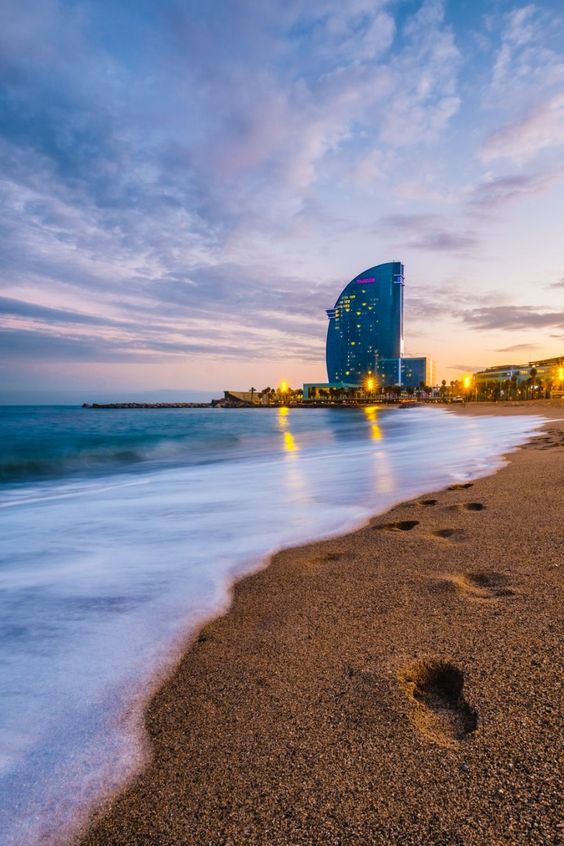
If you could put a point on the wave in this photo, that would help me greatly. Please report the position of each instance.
(54, 461)
(100, 581)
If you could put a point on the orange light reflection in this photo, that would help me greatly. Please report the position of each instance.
(289, 443)
(371, 412)
(283, 422)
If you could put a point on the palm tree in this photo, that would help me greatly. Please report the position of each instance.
(252, 392)
(533, 383)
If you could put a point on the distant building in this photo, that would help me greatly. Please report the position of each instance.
(502, 373)
(549, 374)
(242, 397)
(366, 323)
(365, 333)
(407, 371)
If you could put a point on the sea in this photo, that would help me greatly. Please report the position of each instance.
(122, 531)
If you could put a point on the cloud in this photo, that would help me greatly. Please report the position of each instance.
(429, 232)
(424, 191)
(31, 345)
(444, 242)
(144, 175)
(512, 317)
(20, 308)
(36, 345)
(283, 96)
(523, 140)
(518, 35)
(495, 192)
(425, 80)
(255, 313)
(526, 64)
(463, 232)
(518, 348)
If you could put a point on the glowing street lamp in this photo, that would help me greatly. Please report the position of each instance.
(370, 384)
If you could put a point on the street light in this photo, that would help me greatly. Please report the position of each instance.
(283, 391)
(467, 385)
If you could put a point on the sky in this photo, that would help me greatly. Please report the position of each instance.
(187, 185)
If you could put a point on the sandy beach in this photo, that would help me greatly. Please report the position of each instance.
(397, 685)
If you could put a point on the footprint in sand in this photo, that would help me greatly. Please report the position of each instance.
(461, 487)
(550, 441)
(333, 556)
(441, 713)
(478, 585)
(473, 506)
(450, 534)
(467, 506)
(427, 502)
(399, 526)
(325, 560)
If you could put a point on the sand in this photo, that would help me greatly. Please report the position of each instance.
(398, 685)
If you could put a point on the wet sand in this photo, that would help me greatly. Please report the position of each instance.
(398, 685)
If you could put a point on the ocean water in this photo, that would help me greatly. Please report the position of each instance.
(122, 531)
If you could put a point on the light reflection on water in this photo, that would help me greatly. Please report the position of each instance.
(371, 412)
(288, 439)
(100, 575)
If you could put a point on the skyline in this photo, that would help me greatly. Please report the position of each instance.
(181, 186)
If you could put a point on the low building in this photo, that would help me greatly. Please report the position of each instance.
(242, 397)
(545, 376)
(406, 371)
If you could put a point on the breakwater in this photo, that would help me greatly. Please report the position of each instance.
(146, 405)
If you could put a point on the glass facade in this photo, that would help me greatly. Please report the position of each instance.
(366, 324)
(408, 372)
(416, 372)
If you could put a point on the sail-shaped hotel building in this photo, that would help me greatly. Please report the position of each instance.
(366, 324)
(365, 333)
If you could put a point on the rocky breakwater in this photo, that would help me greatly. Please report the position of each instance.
(146, 405)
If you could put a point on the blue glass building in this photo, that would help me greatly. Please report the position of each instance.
(409, 372)
(366, 324)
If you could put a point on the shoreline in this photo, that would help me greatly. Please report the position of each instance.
(232, 768)
(315, 404)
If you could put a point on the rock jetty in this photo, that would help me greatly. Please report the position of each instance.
(146, 405)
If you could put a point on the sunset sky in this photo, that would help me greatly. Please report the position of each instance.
(187, 185)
